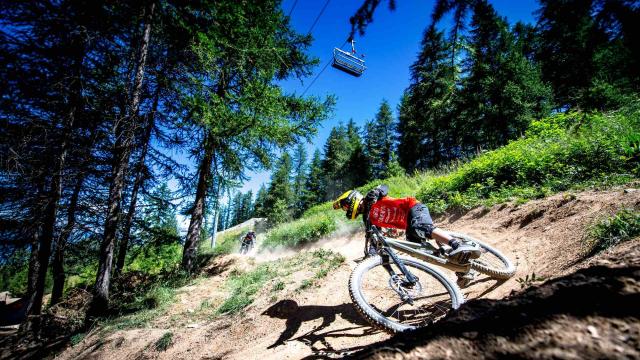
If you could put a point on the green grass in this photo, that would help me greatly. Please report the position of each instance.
(562, 152)
(77, 338)
(226, 243)
(137, 302)
(278, 286)
(142, 311)
(164, 342)
(243, 286)
(610, 231)
(302, 231)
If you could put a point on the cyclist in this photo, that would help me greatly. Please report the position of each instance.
(408, 214)
(248, 240)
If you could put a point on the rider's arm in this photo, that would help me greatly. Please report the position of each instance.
(371, 198)
(376, 194)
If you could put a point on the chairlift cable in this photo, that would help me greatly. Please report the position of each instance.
(292, 7)
(318, 17)
(316, 78)
(320, 73)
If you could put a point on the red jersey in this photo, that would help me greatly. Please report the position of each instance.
(391, 213)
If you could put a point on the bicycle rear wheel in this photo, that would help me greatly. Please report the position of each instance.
(492, 262)
(377, 295)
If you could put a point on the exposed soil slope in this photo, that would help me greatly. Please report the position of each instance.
(590, 314)
(542, 236)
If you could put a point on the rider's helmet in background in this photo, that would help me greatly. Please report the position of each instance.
(350, 201)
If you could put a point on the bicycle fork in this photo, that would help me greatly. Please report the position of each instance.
(409, 278)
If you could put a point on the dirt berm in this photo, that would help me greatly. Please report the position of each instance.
(591, 314)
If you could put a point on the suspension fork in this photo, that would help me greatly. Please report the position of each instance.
(386, 252)
(410, 278)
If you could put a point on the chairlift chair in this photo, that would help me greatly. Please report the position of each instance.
(348, 62)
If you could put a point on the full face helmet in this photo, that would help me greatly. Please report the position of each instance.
(350, 201)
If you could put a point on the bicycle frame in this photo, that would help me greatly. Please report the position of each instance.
(422, 251)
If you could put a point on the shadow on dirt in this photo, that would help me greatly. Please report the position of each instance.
(316, 339)
(588, 314)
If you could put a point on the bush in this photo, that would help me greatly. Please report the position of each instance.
(623, 226)
(154, 259)
(164, 342)
(226, 243)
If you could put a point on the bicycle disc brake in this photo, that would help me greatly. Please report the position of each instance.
(406, 290)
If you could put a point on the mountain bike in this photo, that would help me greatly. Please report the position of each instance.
(396, 293)
(246, 246)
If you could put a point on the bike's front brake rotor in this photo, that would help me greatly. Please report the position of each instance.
(406, 290)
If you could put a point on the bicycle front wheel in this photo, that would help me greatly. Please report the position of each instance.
(386, 303)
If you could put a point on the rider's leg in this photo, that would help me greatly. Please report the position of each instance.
(420, 227)
(419, 223)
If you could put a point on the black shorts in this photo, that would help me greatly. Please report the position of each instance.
(419, 224)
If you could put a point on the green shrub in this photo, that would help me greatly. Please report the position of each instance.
(159, 296)
(164, 342)
(77, 338)
(605, 233)
(154, 259)
(559, 153)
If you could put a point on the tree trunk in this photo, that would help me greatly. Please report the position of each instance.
(193, 234)
(125, 132)
(57, 266)
(55, 185)
(215, 227)
(137, 183)
(32, 276)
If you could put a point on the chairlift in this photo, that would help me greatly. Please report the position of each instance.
(348, 62)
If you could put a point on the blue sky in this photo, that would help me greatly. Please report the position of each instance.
(390, 46)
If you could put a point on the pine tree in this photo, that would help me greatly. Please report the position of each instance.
(372, 149)
(427, 127)
(314, 189)
(279, 199)
(259, 205)
(568, 41)
(460, 9)
(247, 206)
(380, 140)
(503, 91)
(589, 51)
(357, 170)
(160, 225)
(241, 112)
(336, 154)
(299, 178)
(236, 209)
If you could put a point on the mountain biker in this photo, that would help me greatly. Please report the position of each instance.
(408, 214)
(248, 240)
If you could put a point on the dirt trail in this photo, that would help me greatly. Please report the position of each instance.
(589, 314)
(542, 236)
